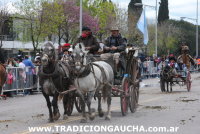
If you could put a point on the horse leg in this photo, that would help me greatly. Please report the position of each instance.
(49, 107)
(167, 86)
(84, 117)
(56, 112)
(91, 110)
(0, 89)
(108, 91)
(100, 111)
(65, 100)
(171, 86)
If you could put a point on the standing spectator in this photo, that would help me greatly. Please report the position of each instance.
(22, 74)
(11, 62)
(29, 74)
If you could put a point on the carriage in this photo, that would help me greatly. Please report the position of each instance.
(90, 79)
(126, 86)
(167, 78)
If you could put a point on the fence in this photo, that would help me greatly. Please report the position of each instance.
(149, 69)
(20, 80)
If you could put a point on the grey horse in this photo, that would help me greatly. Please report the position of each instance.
(92, 79)
(54, 78)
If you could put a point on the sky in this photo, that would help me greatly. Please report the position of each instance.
(177, 8)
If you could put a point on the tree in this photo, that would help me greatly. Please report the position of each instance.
(105, 11)
(163, 13)
(31, 21)
(70, 27)
(4, 16)
(52, 19)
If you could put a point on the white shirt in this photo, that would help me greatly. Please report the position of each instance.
(22, 65)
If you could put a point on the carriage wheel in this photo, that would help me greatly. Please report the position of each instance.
(133, 100)
(69, 104)
(78, 104)
(124, 99)
(188, 81)
(137, 93)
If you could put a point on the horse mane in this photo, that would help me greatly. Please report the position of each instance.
(80, 47)
(55, 52)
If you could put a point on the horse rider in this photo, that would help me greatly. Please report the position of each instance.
(185, 59)
(114, 44)
(88, 40)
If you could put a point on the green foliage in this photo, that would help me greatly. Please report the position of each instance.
(104, 10)
(170, 36)
(52, 17)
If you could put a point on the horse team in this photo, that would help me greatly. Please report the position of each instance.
(91, 79)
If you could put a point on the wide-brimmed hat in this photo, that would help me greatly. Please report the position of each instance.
(114, 29)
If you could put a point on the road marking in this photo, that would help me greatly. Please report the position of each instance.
(80, 117)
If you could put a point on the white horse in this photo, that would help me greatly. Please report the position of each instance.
(92, 79)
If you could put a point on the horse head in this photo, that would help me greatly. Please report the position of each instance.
(79, 56)
(48, 53)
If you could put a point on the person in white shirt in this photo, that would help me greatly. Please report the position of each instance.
(22, 74)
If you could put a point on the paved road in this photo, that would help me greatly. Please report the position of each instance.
(179, 109)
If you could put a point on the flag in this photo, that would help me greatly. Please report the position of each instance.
(142, 26)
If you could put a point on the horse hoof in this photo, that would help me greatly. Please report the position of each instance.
(108, 117)
(65, 117)
(101, 114)
(51, 120)
(92, 116)
(83, 121)
(56, 116)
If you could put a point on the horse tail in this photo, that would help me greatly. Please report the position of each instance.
(106, 91)
(60, 97)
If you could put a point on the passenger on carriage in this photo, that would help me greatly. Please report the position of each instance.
(114, 44)
(173, 64)
(66, 55)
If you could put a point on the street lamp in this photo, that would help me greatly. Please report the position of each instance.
(197, 32)
(156, 26)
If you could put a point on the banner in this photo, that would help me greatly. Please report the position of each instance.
(142, 26)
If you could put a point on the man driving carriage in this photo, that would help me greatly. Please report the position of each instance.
(89, 41)
(114, 44)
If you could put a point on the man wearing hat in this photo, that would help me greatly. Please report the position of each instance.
(114, 44)
(89, 41)
(185, 57)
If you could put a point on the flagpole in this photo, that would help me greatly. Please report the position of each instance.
(156, 31)
(81, 18)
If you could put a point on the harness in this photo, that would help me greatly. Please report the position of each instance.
(55, 74)
(90, 69)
